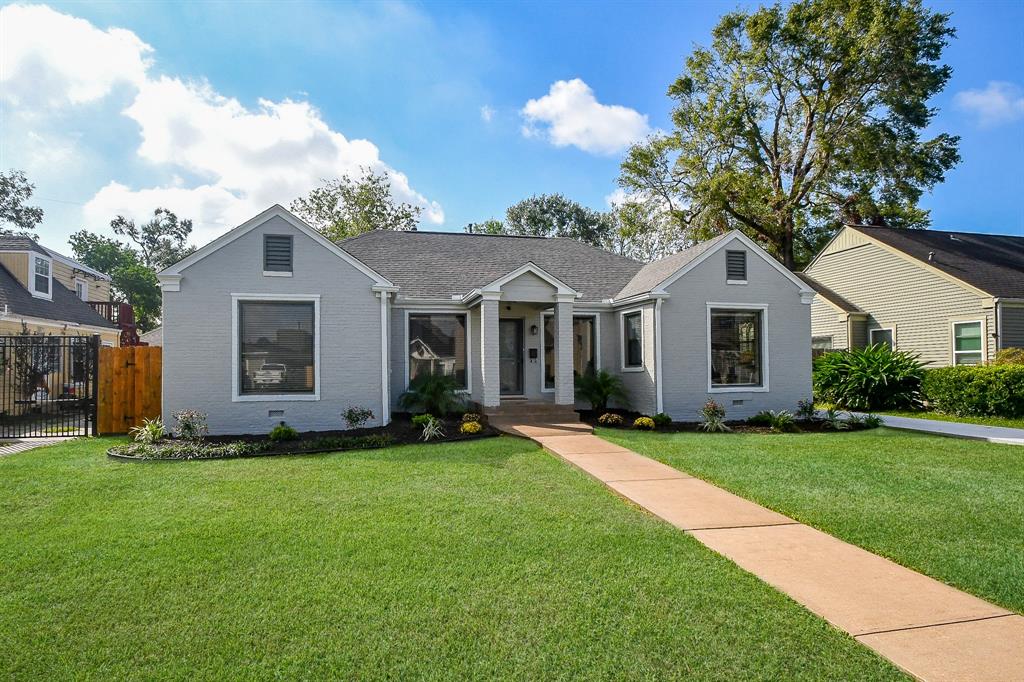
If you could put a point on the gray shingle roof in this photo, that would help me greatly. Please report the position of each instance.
(993, 263)
(653, 274)
(65, 306)
(15, 243)
(827, 294)
(439, 265)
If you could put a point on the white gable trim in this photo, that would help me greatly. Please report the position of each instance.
(277, 211)
(736, 236)
(560, 286)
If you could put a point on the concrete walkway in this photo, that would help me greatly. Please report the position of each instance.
(993, 434)
(16, 445)
(927, 628)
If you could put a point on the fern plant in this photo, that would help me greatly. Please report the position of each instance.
(600, 387)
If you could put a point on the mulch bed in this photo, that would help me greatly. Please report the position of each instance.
(816, 426)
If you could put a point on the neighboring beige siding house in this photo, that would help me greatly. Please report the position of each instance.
(952, 297)
(273, 322)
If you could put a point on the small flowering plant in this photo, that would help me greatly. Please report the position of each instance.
(191, 425)
(609, 419)
(470, 427)
(643, 424)
(713, 417)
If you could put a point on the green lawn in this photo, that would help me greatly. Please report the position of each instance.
(950, 508)
(488, 559)
(1014, 423)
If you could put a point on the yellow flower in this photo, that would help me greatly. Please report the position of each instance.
(470, 427)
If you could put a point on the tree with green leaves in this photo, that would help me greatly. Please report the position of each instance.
(16, 215)
(489, 226)
(160, 242)
(802, 117)
(353, 205)
(553, 215)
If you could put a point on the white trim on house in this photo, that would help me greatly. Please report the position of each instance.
(891, 329)
(597, 342)
(45, 322)
(73, 264)
(984, 339)
(763, 386)
(622, 341)
(450, 310)
(276, 273)
(236, 395)
(385, 354)
(277, 211)
(33, 257)
(659, 393)
(84, 295)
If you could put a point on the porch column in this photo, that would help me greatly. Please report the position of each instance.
(491, 390)
(565, 391)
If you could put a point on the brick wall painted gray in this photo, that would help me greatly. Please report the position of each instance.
(197, 354)
(685, 344)
(640, 384)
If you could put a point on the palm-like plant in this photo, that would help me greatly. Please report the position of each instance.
(872, 378)
(597, 388)
(435, 394)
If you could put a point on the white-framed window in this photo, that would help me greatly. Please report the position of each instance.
(969, 342)
(631, 340)
(586, 345)
(437, 343)
(737, 347)
(41, 276)
(885, 335)
(276, 347)
(820, 345)
(82, 288)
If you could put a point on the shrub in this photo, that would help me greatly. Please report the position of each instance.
(472, 417)
(597, 388)
(661, 420)
(713, 417)
(762, 418)
(779, 422)
(436, 394)
(373, 440)
(1009, 356)
(150, 432)
(805, 410)
(995, 390)
(191, 424)
(357, 416)
(854, 421)
(872, 378)
(834, 420)
(643, 423)
(432, 429)
(422, 420)
(470, 427)
(873, 421)
(609, 419)
(281, 433)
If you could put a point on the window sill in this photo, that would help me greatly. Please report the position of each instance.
(280, 397)
(736, 281)
(633, 369)
(272, 273)
(738, 389)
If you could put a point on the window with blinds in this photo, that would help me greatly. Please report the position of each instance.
(736, 266)
(277, 253)
(276, 347)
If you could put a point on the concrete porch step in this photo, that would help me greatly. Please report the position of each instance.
(539, 429)
(540, 410)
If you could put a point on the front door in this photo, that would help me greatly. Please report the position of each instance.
(510, 356)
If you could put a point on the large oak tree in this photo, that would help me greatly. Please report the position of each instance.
(800, 118)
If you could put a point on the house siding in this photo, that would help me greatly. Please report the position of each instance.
(787, 329)
(827, 320)
(198, 344)
(1012, 321)
(897, 292)
(643, 396)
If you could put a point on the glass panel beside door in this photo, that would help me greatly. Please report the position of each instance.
(510, 356)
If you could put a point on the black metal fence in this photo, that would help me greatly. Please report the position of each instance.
(48, 385)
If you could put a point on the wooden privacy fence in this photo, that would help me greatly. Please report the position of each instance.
(129, 387)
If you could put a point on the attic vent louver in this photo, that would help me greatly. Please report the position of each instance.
(277, 253)
(736, 266)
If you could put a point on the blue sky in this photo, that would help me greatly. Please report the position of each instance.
(218, 109)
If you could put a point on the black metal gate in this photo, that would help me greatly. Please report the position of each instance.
(48, 385)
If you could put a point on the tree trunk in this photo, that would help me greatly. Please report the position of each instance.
(786, 244)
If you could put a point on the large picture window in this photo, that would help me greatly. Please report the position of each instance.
(584, 347)
(736, 348)
(437, 346)
(632, 341)
(967, 342)
(276, 347)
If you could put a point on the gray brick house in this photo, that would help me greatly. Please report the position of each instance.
(274, 322)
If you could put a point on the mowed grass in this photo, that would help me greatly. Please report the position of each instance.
(488, 559)
(950, 508)
(1011, 422)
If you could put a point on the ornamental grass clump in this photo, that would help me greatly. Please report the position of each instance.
(872, 378)
(151, 431)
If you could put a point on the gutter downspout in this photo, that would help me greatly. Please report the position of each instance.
(999, 323)
(657, 356)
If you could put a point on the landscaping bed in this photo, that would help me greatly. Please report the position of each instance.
(799, 425)
(401, 431)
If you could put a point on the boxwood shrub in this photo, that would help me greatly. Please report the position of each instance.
(994, 390)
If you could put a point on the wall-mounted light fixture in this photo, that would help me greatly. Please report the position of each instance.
(533, 330)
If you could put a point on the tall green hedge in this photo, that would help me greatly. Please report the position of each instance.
(994, 390)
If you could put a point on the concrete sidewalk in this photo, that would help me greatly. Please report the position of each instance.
(993, 434)
(927, 628)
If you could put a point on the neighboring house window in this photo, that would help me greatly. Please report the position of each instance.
(736, 347)
(437, 346)
(276, 347)
(41, 279)
(967, 343)
(632, 340)
(82, 289)
(885, 336)
(584, 347)
(736, 266)
(820, 345)
(277, 253)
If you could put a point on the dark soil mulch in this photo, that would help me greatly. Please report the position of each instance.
(815, 426)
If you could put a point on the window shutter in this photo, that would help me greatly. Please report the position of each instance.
(277, 253)
(736, 266)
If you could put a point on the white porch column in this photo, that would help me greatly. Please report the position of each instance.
(489, 366)
(565, 390)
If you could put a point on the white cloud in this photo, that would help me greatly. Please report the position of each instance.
(570, 115)
(50, 58)
(244, 159)
(999, 102)
(487, 113)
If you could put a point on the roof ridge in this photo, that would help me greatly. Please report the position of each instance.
(928, 230)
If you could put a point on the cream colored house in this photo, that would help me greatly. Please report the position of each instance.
(45, 292)
(953, 297)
